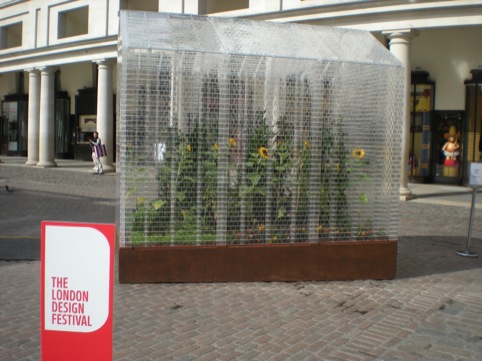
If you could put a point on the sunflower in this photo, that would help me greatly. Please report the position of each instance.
(263, 152)
(358, 153)
(216, 148)
(306, 144)
(232, 142)
(188, 147)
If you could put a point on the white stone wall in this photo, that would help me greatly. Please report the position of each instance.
(448, 55)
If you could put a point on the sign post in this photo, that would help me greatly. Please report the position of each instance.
(76, 305)
(475, 182)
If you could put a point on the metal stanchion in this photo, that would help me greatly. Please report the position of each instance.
(467, 252)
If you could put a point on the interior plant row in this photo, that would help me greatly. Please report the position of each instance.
(258, 181)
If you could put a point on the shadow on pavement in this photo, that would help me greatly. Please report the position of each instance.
(417, 256)
(23, 211)
(20, 249)
(439, 195)
(425, 255)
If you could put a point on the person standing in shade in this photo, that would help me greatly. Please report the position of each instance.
(96, 142)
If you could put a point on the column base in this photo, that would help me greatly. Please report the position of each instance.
(406, 194)
(31, 162)
(46, 164)
(108, 168)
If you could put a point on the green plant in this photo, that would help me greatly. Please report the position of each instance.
(270, 173)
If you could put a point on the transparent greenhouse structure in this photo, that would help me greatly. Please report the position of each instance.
(236, 132)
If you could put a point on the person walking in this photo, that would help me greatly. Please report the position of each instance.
(96, 149)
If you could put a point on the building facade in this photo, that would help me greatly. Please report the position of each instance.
(58, 64)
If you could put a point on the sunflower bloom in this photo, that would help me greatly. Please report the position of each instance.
(216, 148)
(232, 141)
(263, 152)
(188, 147)
(306, 144)
(358, 153)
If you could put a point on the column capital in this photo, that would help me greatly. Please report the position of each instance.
(408, 33)
(32, 70)
(104, 61)
(48, 69)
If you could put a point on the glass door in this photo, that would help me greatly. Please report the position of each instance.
(62, 129)
(421, 110)
(473, 136)
(448, 148)
(22, 128)
(14, 128)
(3, 134)
(10, 116)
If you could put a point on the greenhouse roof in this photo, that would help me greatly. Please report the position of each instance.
(191, 33)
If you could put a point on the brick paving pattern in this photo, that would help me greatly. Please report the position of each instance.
(431, 311)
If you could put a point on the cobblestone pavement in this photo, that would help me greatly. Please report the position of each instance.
(431, 311)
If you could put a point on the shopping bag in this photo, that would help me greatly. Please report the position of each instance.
(100, 150)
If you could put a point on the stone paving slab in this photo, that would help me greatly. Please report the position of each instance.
(431, 311)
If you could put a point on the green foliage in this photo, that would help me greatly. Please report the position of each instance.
(268, 198)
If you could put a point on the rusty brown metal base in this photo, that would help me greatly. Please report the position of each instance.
(285, 262)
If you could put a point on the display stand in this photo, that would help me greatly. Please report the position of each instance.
(475, 181)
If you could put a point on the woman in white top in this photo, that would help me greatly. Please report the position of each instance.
(96, 142)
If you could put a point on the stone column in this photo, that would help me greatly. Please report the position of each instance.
(47, 123)
(171, 6)
(33, 116)
(400, 42)
(267, 5)
(105, 111)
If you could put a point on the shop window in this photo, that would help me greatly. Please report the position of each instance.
(219, 6)
(474, 116)
(421, 127)
(13, 132)
(11, 36)
(73, 22)
(474, 122)
(145, 5)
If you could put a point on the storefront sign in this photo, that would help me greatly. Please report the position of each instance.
(76, 291)
(475, 178)
(88, 123)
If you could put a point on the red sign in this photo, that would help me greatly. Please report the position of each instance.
(76, 291)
